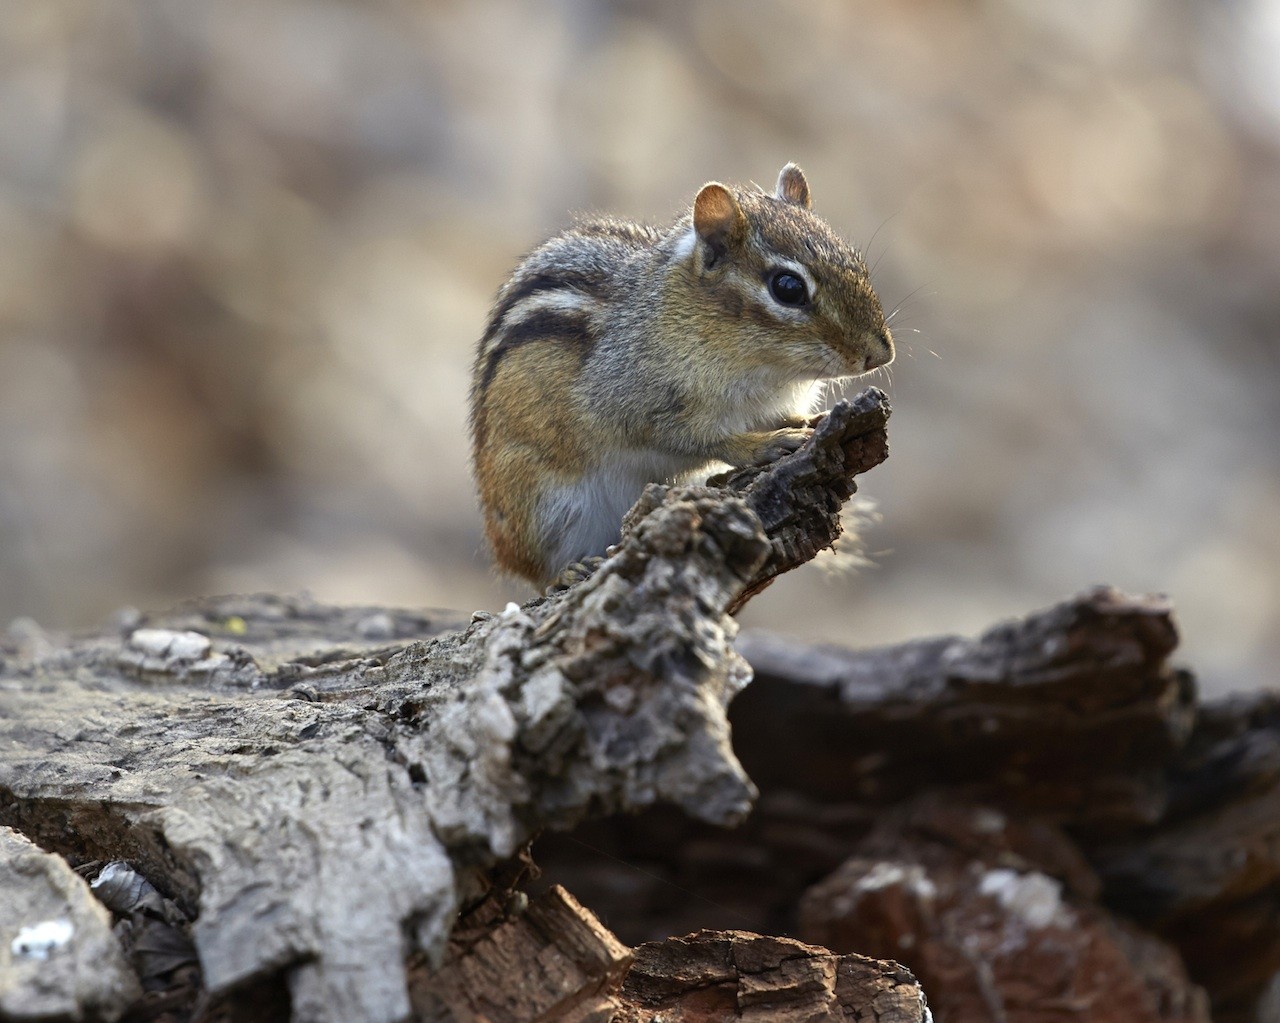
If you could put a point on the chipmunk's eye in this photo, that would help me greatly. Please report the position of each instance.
(788, 289)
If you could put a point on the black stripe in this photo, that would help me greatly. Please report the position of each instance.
(543, 325)
(544, 280)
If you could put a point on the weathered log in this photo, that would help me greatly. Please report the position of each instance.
(1073, 714)
(313, 786)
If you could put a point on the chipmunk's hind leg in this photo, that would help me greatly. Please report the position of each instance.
(527, 449)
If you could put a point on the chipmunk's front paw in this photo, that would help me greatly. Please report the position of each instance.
(781, 442)
(575, 573)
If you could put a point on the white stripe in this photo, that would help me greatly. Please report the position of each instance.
(561, 299)
(685, 246)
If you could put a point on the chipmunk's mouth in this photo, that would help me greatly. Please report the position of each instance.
(858, 352)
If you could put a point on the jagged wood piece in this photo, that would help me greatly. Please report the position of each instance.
(799, 499)
(320, 789)
(553, 961)
(725, 976)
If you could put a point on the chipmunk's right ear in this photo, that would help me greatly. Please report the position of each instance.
(719, 220)
(792, 187)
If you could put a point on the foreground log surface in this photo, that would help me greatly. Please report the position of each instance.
(317, 792)
(334, 806)
(1036, 822)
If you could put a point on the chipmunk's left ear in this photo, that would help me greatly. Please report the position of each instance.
(792, 187)
(719, 221)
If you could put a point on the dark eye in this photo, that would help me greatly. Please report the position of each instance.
(788, 289)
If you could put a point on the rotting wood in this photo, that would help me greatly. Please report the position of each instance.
(317, 787)
(556, 962)
(998, 920)
(1208, 877)
(566, 966)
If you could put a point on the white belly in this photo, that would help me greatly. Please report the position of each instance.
(581, 519)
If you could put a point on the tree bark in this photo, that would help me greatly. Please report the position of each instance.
(1074, 711)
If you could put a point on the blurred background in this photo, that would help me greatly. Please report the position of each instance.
(246, 249)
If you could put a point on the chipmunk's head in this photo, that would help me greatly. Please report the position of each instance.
(797, 292)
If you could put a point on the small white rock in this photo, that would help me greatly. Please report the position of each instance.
(378, 625)
(169, 644)
(1034, 897)
(911, 876)
(36, 941)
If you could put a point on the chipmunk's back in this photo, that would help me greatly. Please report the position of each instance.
(575, 275)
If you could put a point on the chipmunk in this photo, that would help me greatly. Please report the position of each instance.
(618, 355)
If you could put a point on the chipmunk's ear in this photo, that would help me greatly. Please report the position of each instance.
(792, 187)
(718, 219)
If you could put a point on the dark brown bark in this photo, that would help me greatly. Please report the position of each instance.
(1074, 711)
(997, 919)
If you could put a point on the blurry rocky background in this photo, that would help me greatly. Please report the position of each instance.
(246, 249)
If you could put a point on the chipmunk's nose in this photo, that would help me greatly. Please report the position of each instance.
(879, 348)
